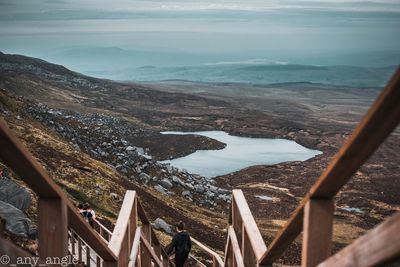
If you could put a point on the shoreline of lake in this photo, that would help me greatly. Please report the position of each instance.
(239, 153)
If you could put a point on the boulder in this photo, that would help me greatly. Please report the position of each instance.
(16, 221)
(213, 189)
(160, 189)
(140, 150)
(160, 224)
(189, 185)
(186, 194)
(166, 183)
(130, 148)
(144, 176)
(14, 194)
(199, 189)
(177, 181)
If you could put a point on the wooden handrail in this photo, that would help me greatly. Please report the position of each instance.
(135, 248)
(127, 241)
(19, 159)
(197, 261)
(122, 227)
(213, 254)
(150, 250)
(233, 255)
(380, 120)
(380, 246)
(251, 243)
(102, 229)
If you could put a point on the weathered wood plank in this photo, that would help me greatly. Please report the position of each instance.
(118, 237)
(53, 228)
(380, 246)
(88, 262)
(235, 248)
(255, 238)
(317, 233)
(228, 260)
(248, 256)
(146, 234)
(213, 254)
(151, 252)
(135, 248)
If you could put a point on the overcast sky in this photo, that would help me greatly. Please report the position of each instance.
(44, 27)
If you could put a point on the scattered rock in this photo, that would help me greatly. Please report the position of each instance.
(166, 183)
(160, 224)
(187, 194)
(199, 189)
(160, 189)
(16, 221)
(114, 196)
(14, 194)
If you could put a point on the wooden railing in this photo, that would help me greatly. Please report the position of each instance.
(314, 215)
(133, 244)
(103, 231)
(63, 231)
(56, 213)
(245, 245)
(215, 257)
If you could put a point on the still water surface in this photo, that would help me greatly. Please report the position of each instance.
(239, 153)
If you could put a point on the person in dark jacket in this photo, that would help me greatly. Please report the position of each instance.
(181, 244)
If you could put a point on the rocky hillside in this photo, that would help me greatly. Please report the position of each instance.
(98, 138)
(88, 157)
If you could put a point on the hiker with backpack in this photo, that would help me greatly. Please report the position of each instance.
(180, 244)
(88, 214)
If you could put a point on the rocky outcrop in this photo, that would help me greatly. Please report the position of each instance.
(106, 138)
(160, 224)
(12, 193)
(16, 221)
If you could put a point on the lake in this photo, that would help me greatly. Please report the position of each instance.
(239, 153)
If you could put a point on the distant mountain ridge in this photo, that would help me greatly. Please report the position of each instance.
(257, 74)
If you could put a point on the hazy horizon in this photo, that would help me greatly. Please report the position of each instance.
(106, 37)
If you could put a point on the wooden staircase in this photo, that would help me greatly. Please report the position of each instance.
(63, 231)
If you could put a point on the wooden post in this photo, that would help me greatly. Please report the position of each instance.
(146, 233)
(73, 242)
(157, 250)
(98, 261)
(133, 223)
(237, 222)
(79, 250)
(87, 256)
(249, 259)
(53, 228)
(110, 264)
(317, 235)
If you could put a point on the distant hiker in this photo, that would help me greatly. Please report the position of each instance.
(80, 208)
(181, 244)
(88, 214)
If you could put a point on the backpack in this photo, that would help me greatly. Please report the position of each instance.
(88, 216)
